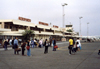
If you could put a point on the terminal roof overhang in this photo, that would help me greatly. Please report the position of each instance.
(47, 27)
(43, 26)
(57, 29)
(18, 22)
(11, 33)
(4, 30)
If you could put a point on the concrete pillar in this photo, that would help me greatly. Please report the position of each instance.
(12, 37)
(8, 26)
(54, 31)
(28, 28)
(2, 25)
(5, 37)
(44, 30)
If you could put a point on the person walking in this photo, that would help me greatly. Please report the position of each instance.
(70, 45)
(28, 49)
(13, 44)
(16, 46)
(40, 43)
(50, 42)
(30, 43)
(35, 42)
(10, 41)
(46, 46)
(78, 43)
(23, 48)
(5, 44)
(54, 43)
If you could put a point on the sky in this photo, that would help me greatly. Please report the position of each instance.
(51, 11)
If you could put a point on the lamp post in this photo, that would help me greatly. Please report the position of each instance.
(87, 29)
(63, 13)
(80, 24)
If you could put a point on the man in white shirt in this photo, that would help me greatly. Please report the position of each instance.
(40, 43)
(78, 43)
(10, 41)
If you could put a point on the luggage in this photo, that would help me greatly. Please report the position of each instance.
(18, 49)
(55, 46)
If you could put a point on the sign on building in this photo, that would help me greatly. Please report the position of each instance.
(24, 19)
(42, 23)
(55, 26)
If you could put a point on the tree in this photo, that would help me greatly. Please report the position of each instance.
(27, 34)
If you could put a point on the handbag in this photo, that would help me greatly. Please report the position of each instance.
(18, 49)
(55, 46)
(27, 47)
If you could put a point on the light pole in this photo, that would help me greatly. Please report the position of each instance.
(87, 29)
(80, 24)
(63, 13)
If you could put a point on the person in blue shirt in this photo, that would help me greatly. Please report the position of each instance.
(16, 46)
(54, 43)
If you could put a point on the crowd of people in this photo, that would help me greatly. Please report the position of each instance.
(74, 46)
(27, 45)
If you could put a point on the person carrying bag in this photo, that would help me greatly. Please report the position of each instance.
(16, 46)
(54, 44)
(28, 49)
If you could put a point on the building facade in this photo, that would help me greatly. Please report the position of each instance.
(10, 29)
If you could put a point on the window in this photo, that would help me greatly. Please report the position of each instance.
(6, 26)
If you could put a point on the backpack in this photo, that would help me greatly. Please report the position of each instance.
(77, 42)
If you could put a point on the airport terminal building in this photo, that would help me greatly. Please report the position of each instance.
(10, 29)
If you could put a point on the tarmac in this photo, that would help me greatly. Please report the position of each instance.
(87, 58)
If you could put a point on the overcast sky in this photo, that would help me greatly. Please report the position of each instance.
(51, 11)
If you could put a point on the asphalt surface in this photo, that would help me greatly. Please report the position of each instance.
(87, 58)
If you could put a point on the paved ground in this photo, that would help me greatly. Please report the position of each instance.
(87, 58)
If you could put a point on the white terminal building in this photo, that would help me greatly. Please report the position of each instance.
(10, 29)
